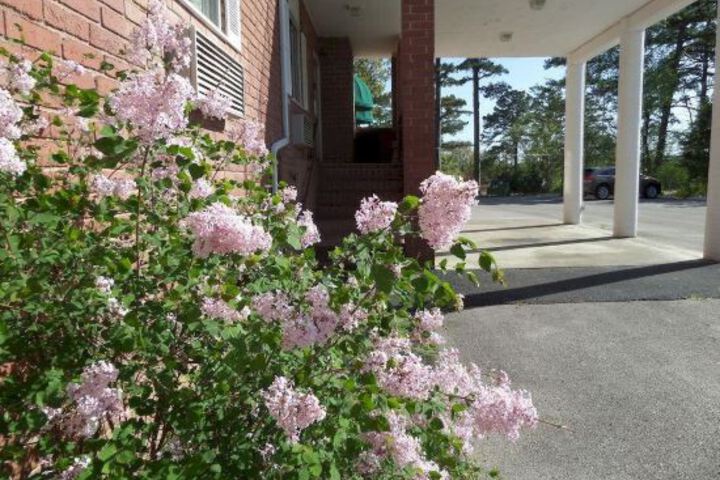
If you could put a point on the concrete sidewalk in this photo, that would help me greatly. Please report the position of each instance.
(637, 385)
(522, 238)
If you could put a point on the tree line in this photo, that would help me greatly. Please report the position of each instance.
(522, 138)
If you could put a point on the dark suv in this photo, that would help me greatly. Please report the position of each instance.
(600, 182)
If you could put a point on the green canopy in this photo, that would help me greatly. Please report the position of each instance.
(364, 102)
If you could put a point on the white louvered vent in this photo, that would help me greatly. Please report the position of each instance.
(302, 130)
(216, 69)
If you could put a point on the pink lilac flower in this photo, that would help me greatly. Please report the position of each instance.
(93, 400)
(312, 234)
(157, 39)
(36, 126)
(445, 208)
(65, 68)
(399, 371)
(104, 186)
(74, 470)
(153, 104)
(293, 411)
(19, 77)
(219, 229)
(201, 189)
(493, 408)
(215, 104)
(427, 322)
(399, 446)
(289, 194)
(374, 215)
(104, 284)
(125, 188)
(9, 160)
(170, 171)
(10, 116)
(351, 317)
(273, 306)
(115, 309)
(250, 136)
(215, 308)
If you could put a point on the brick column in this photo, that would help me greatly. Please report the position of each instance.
(416, 72)
(416, 98)
(338, 111)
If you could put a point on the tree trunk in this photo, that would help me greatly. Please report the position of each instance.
(646, 137)
(476, 123)
(667, 101)
(438, 126)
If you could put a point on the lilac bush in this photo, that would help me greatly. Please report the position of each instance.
(159, 321)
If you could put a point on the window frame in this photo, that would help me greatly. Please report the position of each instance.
(299, 75)
(220, 30)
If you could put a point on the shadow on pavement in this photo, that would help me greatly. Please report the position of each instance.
(671, 281)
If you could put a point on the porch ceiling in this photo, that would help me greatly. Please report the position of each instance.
(473, 28)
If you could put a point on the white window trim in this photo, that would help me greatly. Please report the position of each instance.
(237, 46)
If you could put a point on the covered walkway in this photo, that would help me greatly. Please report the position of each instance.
(525, 232)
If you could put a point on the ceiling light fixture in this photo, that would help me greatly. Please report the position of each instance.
(353, 10)
(537, 4)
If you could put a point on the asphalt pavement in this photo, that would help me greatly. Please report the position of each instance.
(618, 341)
(634, 387)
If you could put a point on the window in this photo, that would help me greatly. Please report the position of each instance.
(210, 8)
(298, 63)
(221, 15)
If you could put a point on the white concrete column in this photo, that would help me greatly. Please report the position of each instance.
(627, 157)
(712, 219)
(574, 142)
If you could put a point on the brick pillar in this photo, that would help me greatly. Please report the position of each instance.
(416, 65)
(338, 111)
(416, 82)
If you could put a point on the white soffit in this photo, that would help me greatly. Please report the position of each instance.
(373, 26)
(474, 28)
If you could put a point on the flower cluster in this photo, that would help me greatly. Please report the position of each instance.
(218, 229)
(122, 188)
(251, 136)
(312, 234)
(428, 321)
(215, 308)
(10, 116)
(492, 408)
(289, 194)
(293, 411)
(445, 208)
(93, 401)
(104, 284)
(153, 104)
(202, 188)
(374, 215)
(158, 39)
(398, 370)
(312, 327)
(18, 76)
(401, 447)
(215, 104)
(9, 160)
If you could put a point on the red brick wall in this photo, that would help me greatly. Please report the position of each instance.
(74, 29)
(336, 64)
(416, 60)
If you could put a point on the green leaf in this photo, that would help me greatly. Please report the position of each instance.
(107, 452)
(383, 277)
(458, 251)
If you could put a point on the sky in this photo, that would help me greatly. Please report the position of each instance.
(524, 73)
